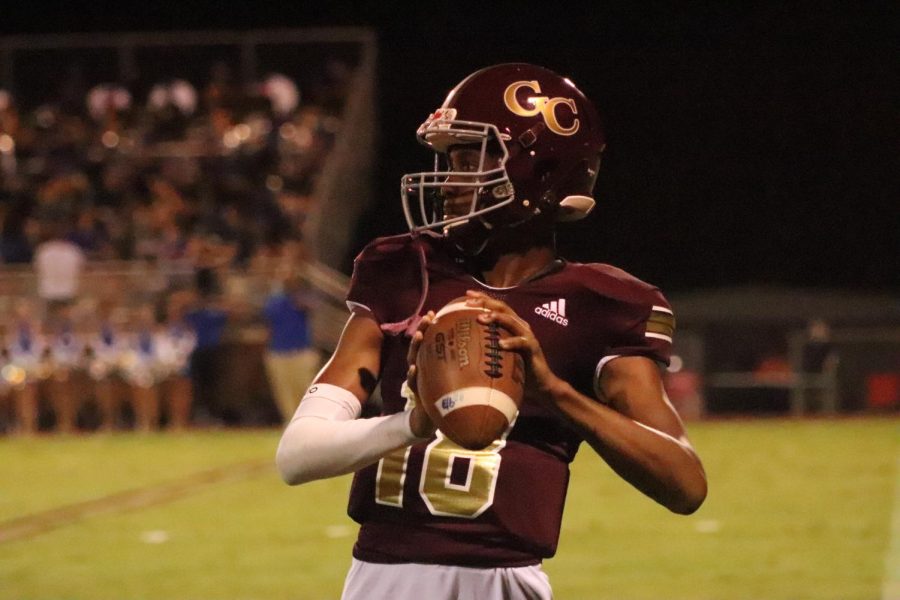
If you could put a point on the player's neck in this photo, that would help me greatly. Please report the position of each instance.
(514, 268)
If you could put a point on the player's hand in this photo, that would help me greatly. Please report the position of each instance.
(538, 376)
(419, 422)
(413, 351)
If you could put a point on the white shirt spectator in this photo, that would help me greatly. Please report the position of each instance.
(58, 264)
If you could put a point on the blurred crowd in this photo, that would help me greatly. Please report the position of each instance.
(183, 185)
(139, 178)
(108, 356)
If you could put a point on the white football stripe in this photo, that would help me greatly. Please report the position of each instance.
(356, 307)
(477, 396)
(662, 309)
(658, 336)
(456, 306)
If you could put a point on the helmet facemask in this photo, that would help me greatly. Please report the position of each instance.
(424, 194)
(539, 140)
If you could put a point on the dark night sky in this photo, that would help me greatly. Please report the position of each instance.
(745, 145)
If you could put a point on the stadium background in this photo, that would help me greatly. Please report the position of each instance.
(750, 148)
(769, 128)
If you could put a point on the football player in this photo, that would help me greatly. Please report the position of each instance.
(517, 150)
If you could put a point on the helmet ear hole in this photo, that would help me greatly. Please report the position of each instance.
(544, 169)
(575, 189)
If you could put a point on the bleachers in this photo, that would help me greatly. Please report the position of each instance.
(197, 165)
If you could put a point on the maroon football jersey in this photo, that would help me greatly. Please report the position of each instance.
(436, 502)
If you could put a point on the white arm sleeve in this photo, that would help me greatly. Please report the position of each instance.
(326, 438)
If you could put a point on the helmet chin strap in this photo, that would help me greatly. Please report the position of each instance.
(470, 237)
(475, 236)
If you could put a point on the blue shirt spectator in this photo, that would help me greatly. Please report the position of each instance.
(208, 324)
(291, 359)
(288, 323)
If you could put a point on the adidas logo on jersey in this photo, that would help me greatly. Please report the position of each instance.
(555, 311)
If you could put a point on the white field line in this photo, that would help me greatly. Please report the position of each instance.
(891, 588)
(40, 522)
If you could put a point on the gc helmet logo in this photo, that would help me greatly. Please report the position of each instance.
(543, 105)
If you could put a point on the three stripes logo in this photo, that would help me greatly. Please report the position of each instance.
(555, 311)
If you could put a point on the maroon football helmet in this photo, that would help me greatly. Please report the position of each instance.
(546, 140)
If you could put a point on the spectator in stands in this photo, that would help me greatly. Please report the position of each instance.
(15, 245)
(142, 369)
(209, 255)
(175, 344)
(818, 351)
(26, 353)
(65, 191)
(820, 359)
(9, 114)
(66, 384)
(115, 181)
(95, 153)
(90, 234)
(279, 252)
(94, 171)
(170, 105)
(208, 317)
(109, 105)
(222, 90)
(107, 346)
(58, 264)
(291, 359)
(282, 94)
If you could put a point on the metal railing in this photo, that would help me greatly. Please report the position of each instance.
(133, 283)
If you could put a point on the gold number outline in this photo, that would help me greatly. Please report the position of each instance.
(440, 496)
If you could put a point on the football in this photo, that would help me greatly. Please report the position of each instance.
(470, 388)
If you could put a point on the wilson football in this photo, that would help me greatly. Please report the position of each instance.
(469, 387)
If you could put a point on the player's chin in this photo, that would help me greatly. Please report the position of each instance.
(456, 214)
(457, 206)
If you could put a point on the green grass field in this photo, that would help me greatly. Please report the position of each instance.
(797, 509)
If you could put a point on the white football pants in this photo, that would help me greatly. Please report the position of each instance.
(371, 581)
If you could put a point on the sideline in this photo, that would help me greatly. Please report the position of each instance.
(54, 518)
(891, 587)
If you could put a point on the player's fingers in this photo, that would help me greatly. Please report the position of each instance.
(417, 337)
(521, 338)
(414, 344)
(508, 321)
(518, 343)
(476, 298)
(425, 322)
(411, 378)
